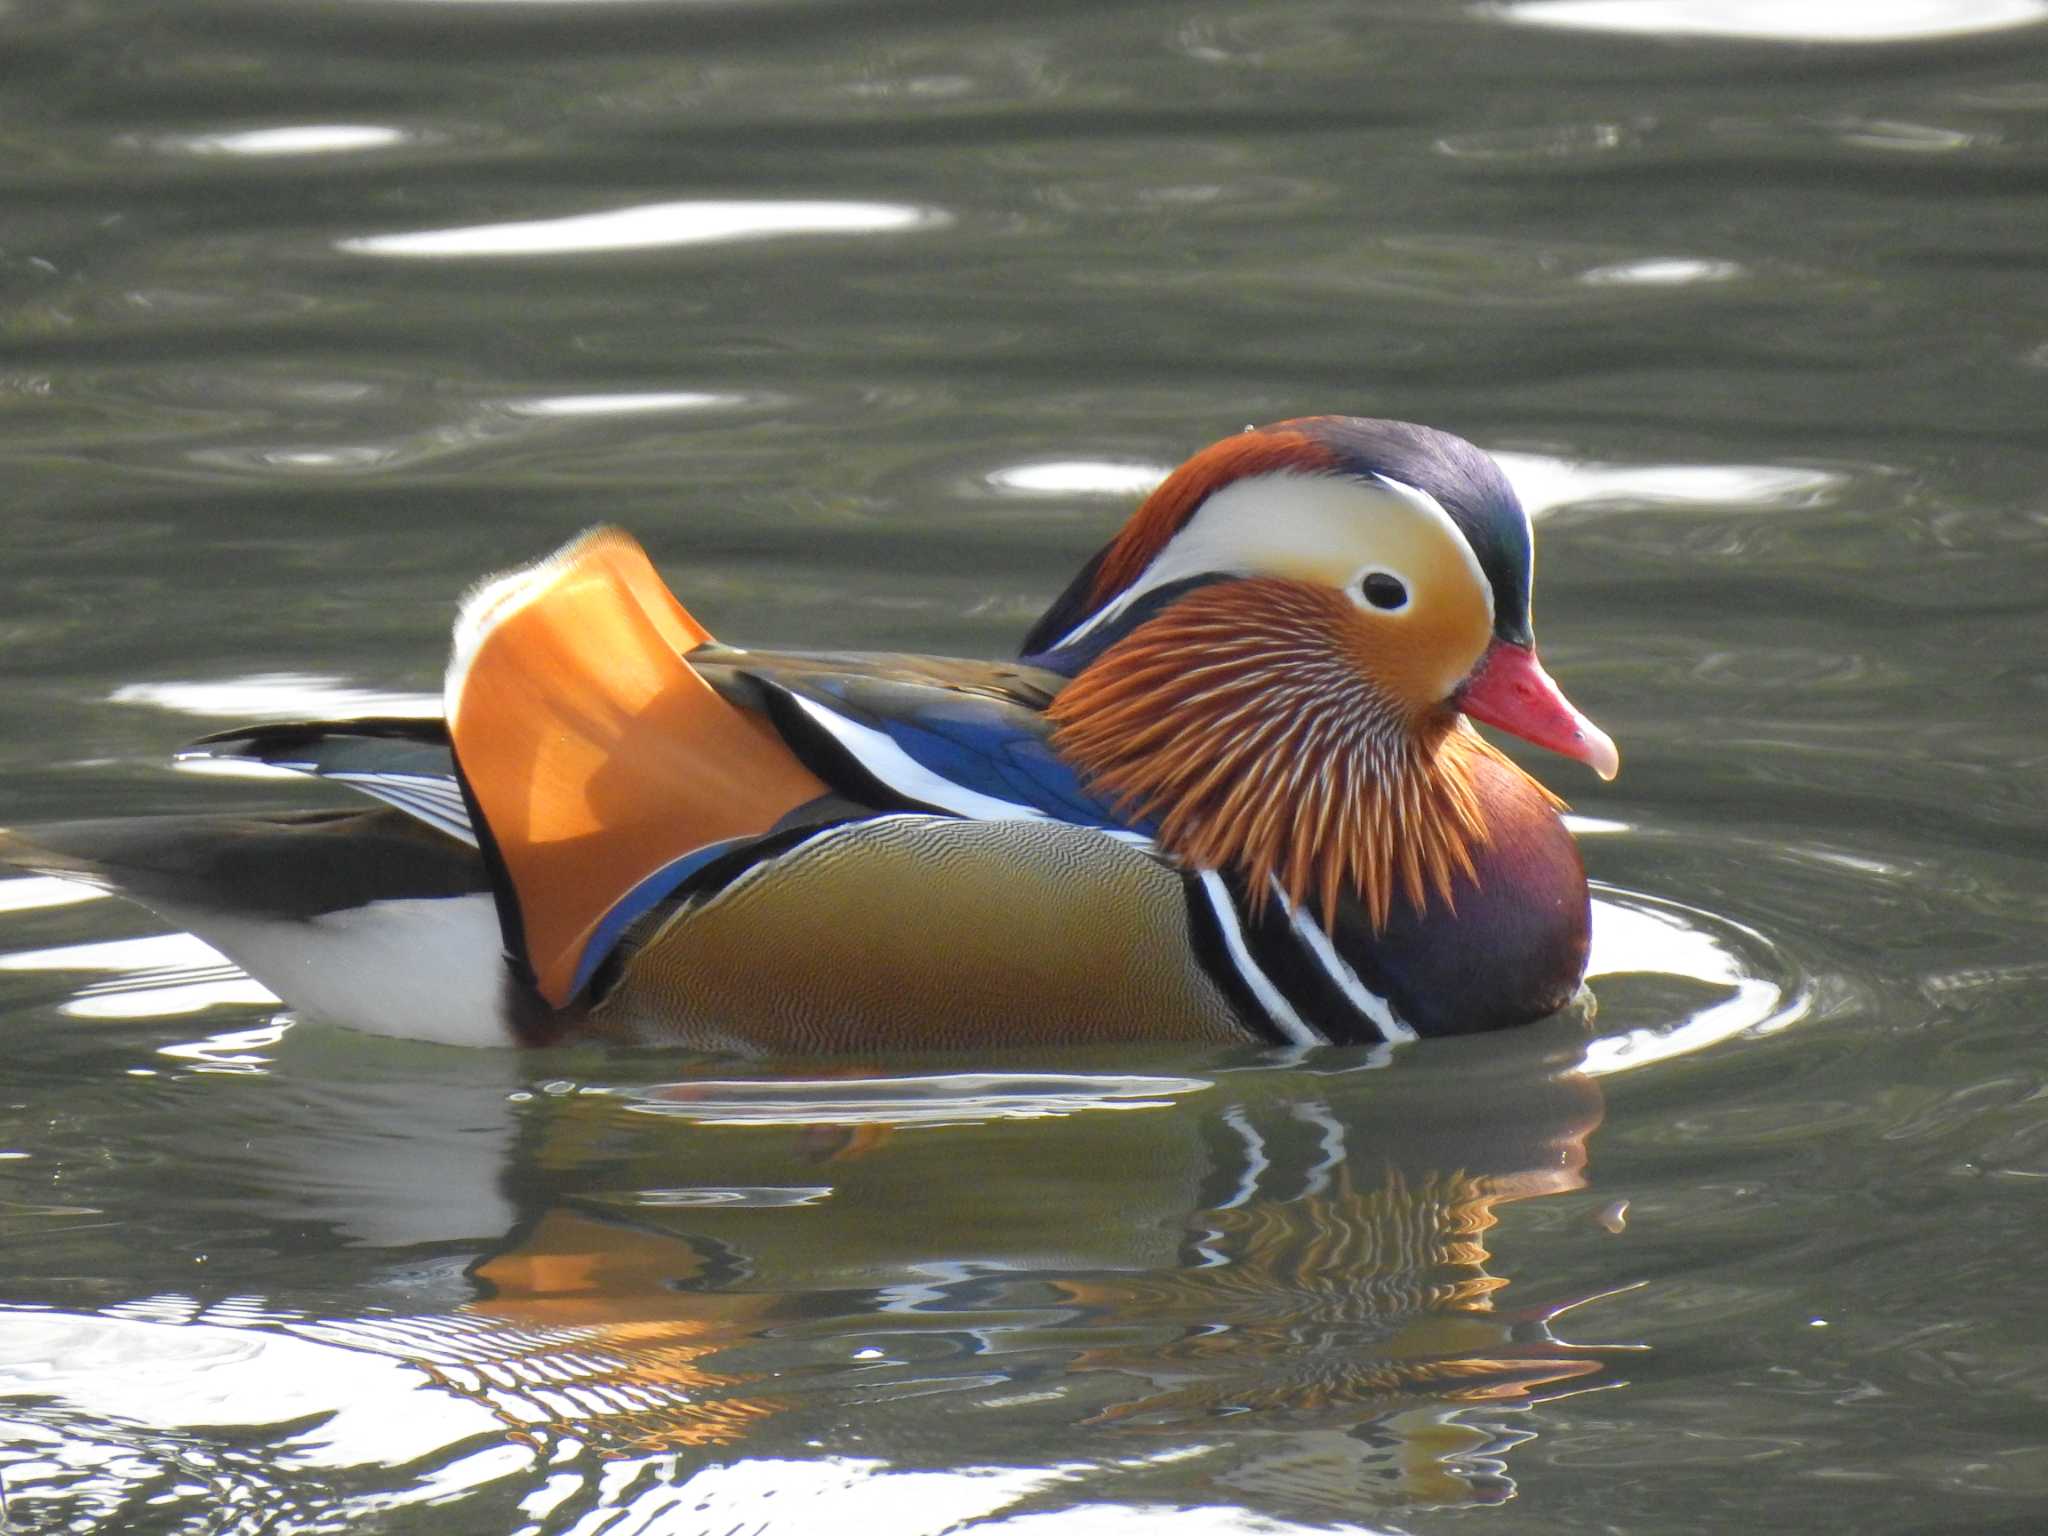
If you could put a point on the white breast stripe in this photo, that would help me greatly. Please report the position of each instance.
(1255, 1160)
(1331, 1141)
(1278, 1009)
(1372, 1006)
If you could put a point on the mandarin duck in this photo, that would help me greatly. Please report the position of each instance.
(1229, 792)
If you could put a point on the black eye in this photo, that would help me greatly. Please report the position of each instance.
(1384, 591)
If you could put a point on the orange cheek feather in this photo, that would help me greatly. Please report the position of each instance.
(1252, 722)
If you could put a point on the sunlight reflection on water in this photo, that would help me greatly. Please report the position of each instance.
(649, 227)
(1662, 272)
(301, 139)
(1542, 481)
(648, 403)
(357, 1408)
(1078, 477)
(280, 695)
(432, 433)
(161, 976)
(1633, 935)
(1545, 482)
(39, 891)
(1802, 21)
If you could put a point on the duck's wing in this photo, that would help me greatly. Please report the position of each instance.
(597, 762)
(1003, 682)
(601, 755)
(952, 713)
(612, 754)
(917, 733)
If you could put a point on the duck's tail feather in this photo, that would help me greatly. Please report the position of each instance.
(403, 761)
(290, 865)
(593, 757)
(361, 917)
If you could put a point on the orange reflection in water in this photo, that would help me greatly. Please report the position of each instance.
(1300, 1306)
(592, 1339)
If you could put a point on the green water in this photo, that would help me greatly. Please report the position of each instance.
(869, 320)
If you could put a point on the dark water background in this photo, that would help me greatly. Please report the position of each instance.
(870, 319)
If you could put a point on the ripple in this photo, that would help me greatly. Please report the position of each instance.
(426, 431)
(1501, 273)
(110, 1406)
(952, 1098)
(342, 459)
(1558, 141)
(915, 88)
(264, 694)
(1162, 1519)
(551, 5)
(1781, 669)
(1815, 21)
(752, 1197)
(1761, 990)
(845, 1493)
(651, 226)
(234, 1052)
(1908, 138)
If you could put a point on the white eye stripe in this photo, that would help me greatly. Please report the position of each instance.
(1273, 521)
(1422, 501)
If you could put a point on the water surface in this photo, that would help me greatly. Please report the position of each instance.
(871, 320)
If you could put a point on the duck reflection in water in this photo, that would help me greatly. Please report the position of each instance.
(1336, 1310)
(1291, 1308)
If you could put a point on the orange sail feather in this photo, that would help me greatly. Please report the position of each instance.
(595, 753)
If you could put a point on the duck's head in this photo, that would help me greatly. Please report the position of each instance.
(1271, 658)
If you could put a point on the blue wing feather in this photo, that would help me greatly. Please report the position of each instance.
(984, 750)
(987, 746)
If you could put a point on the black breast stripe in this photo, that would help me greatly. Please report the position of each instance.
(1300, 975)
(1213, 951)
(1294, 968)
